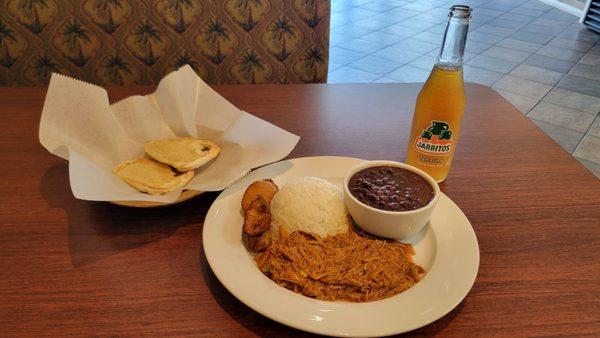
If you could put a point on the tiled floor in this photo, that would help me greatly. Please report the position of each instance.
(540, 59)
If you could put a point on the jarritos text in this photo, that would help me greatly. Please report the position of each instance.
(435, 140)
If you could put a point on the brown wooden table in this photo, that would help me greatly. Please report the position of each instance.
(71, 267)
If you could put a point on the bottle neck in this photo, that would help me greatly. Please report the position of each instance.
(455, 37)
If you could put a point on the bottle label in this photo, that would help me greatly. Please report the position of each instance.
(436, 140)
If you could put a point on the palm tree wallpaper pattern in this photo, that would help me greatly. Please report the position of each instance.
(247, 13)
(250, 68)
(215, 40)
(108, 15)
(119, 42)
(282, 38)
(116, 70)
(12, 45)
(75, 42)
(39, 69)
(147, 42)
(34, 15)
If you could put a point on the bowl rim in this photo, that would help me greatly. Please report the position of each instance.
(375, 163)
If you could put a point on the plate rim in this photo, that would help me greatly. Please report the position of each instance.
(317, 329)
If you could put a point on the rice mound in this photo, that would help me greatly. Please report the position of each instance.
(309, 204)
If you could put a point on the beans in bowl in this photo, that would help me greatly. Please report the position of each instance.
(391, 188)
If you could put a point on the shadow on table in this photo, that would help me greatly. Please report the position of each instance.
(98, 230)
(245, 316)
(439, 325)
(265, 327)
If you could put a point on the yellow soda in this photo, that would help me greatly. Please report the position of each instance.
(441, 103)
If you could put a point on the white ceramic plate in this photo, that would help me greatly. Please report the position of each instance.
(447, 248)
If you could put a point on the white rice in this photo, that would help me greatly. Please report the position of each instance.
(309, 204)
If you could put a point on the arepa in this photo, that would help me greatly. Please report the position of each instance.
(182, 153)
(149, 176)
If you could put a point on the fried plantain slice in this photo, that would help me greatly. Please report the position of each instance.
(260, 243)
(257, 218)
(263, 188)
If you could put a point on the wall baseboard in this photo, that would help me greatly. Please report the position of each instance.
(564, 7)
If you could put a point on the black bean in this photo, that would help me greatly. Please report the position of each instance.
(390, 188)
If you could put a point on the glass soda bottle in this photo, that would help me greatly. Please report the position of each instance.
(441, 102)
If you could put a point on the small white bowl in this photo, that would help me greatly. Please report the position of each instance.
(389, 224)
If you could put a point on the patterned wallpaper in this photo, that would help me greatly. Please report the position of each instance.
(118, 42)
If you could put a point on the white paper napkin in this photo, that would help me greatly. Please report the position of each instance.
(79, 125)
